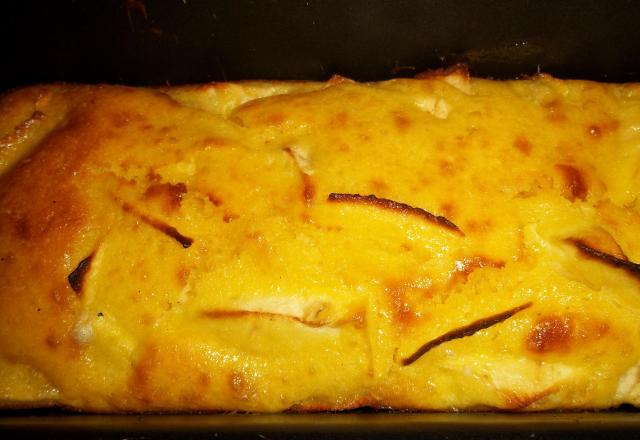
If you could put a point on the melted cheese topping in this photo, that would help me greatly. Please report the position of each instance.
(437, 243)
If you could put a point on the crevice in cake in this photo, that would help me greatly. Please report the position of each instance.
(630, 267)
(301, 161)
(76, 278)
(392, 205)
(160, 226)
(463, 332)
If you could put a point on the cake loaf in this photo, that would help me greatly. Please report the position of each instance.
(437, 243)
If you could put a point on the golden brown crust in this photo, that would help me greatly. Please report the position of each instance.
(438, 243)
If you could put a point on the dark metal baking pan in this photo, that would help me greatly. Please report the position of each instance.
(142, 42)
(351, 425)
(145, 42)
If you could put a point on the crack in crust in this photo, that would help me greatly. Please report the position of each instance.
(630, 267)
(218, 314)
(76, 278)
(308, 188)
(392, 205)
(463, 332)
(160, 226)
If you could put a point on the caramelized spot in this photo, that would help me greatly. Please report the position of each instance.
(140, 381)
(61, 296)
(447, 168)
(76, 278)
(523, 144)
(463, 332)
(228, 217)
(152, 176)
(168, 194)
(337, 79)
(308, 189)
(402, 121)
(554, 111)
(52, 341)
(217, 201)
(597, 130)
(575, 185)
(630, 267)
(403, 312)
(448, 209)
(213, 142)
(22, 228)
(123, 118)
(241, 388)
(339, 120)
(183, 275)
(378, 185)
(551, 333)
(204, 380)
(160, 226)
(275, 118)
(238, 314)
(392, 205)
(464, 267)
(479, 226)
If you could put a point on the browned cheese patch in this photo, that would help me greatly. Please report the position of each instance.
(392, 205)
(183, 275)
(141, 377)
(214, 142)
(522, 144)
(123, 118)
(559, 334)
(551, 333)
(598, 130)
(339, 121)
(228, 217)
(555, 111)
(217, 201)
(464, 267)
(404, 313)
(479, 226)
(378, 185)
(575, 185)
(402, 121)
(447, 168)
(167, 194)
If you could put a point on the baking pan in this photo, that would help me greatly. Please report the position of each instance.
(144, 42)
(350, 425)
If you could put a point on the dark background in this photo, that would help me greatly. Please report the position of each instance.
(146, 42)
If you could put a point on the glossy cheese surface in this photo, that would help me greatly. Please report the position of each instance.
(440, 243)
